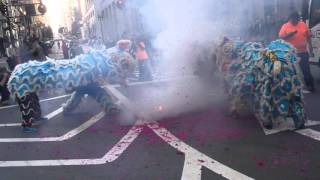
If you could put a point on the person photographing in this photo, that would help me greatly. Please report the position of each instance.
(297, 33)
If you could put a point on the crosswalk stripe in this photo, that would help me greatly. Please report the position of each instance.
(43, 100)
(193, 156)
(313, 134)
(49, 116)
(64, 137)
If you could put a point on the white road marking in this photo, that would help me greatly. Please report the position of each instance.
(130, 84)
(112, 155)
(196, 159)
(286, 126)
(64, 137)
(191, 169)
(8, 107)
(44, 100)
(192, 166)
(10, 125)
(158, 81)
(49, 116)
(54, 113)
(310, 133)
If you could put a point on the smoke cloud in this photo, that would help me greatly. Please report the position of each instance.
(185, 32)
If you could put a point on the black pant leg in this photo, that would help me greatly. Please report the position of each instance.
(30, 109)
(5, 94)
(305, 68)
(100, 95)
(144, 70)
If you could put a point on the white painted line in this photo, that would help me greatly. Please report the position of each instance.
(54, 113)
(55, 98)
(49, 116)
(8, 107)
(286, 126)
(10, 125)
(194, 159)
(64, 137)
(310, 133)
(191, 169)
(83, 127)
(130, 84)
(124, 143)
(157, 81)
(197, 158)
(109, 157)
(44, 100)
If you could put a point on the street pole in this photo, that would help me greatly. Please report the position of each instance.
(100, 18)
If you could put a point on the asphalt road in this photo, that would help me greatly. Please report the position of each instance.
(192, 138)
(201, 142)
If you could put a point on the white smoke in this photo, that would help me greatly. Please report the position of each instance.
(179, 25)
(182, 30)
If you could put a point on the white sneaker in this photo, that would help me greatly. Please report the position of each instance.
(304, 91)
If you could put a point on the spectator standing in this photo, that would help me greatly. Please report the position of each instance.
(37, 51)
(25, 52)
(65, 50)
(5, 94)
(12, 58)
(143, 62)
(59, 45)
(297, 33)
(75, 50)
(2, 47)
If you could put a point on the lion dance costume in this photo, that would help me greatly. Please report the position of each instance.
(267, 78)
(79, 76)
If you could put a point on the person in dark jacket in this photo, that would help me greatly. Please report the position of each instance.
(5, 94)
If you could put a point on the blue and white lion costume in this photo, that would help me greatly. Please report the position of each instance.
(266, 78)
(81, 75)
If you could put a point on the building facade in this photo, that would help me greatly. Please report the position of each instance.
(104, 19)
(20, 20)
(89, 18)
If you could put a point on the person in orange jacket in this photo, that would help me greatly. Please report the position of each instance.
(143, 62)
(297, 33)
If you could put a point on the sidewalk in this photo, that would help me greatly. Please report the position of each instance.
(3, 62)
(56, 53)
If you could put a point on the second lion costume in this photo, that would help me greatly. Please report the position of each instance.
(267, 78)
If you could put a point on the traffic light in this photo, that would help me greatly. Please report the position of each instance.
(120, 4)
